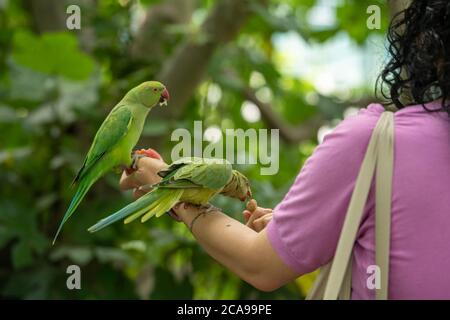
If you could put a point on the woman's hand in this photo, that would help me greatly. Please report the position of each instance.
(146, 174)
(257, 219)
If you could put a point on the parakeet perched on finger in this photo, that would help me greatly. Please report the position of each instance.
(193, 180)
(116, 138)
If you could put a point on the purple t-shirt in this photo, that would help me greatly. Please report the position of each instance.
(306, 225)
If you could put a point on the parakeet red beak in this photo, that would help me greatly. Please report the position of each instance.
(164, 98)
(249, 196)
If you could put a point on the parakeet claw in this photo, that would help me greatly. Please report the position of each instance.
(129, 171)
(134, 161)
(173, 215)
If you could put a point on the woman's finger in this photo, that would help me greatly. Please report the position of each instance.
(252, 205)
(260, 223)
(128, 181)
(146, 173)
(250, 220)
(258, 213)
(257, 225)
(247, 215)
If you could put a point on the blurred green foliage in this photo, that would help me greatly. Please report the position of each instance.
(56, 86)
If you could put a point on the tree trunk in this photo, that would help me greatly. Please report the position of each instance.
(47, 15)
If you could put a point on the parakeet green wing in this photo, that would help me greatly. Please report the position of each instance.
(208, 175)
(113, 129)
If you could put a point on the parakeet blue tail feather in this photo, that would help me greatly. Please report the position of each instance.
(140, 204)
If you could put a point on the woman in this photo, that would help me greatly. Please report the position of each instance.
(303, 234)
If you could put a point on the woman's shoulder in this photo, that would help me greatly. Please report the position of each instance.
(356, 129)
(372, 109)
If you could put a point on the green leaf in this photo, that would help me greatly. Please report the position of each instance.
(149, 2)
(21, 255)
(79, 255)
(53, 54)
(169, 287)
(111, 255)
(27, 84)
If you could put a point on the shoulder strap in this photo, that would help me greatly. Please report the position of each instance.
(383, 203)
(330, 284)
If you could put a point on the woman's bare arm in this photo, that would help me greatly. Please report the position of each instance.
(244, 251)
(241, 249)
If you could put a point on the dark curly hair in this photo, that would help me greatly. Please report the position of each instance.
(418, 69)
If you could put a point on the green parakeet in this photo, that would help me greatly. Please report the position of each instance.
(193, 180)
(116, 138)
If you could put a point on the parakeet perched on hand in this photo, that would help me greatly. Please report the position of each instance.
(193, 180)
(116, 138)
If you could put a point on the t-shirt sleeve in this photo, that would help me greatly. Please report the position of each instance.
(307, 223)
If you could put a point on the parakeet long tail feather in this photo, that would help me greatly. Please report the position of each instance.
(139, 205)
(83, 188)
(144, 204)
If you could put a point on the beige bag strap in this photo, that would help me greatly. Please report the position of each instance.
(334, 280)
(383, 203)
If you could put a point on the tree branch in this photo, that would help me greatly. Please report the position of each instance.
(153, 35)
(306, 130)
(187, 67)
(288, 132)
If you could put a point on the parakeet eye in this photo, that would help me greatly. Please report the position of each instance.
(155, 89)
